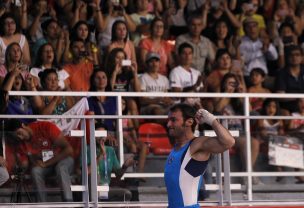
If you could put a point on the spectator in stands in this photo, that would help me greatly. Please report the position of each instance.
(234, 106)
(116, 12)
(4, 176)
(219, 11)
(17, 105)
(13, 59)
(291, 78)
(296, 129)
(156, 44)
(51, 105)
(268, 127)
(283, 12)
(202, 47)
(20, 11)
(81, 30)
(255, 50)
(249, 10)
(153, 81)
(175, 17)
(81, 67)
(123, 78)
(46, 59)
(107, 162)
(223, 39)
(120, 39)
(39, 13)
(296, 126)
(184, 75)
(43, 147)
(257, 77)
(55, 36)
(88, 11)
(142, 18)
(285, 38)
(223, 64)
(102, 105)
(9, 33)
(130, 138)
(156, 7)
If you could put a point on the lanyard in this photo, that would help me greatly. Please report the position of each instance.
(106, 166)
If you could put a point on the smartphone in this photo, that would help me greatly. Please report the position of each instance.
(117, 8)
(83, 53)
(126, 62)
(287, 39)
(17, 3)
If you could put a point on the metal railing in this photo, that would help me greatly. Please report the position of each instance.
(246, 96)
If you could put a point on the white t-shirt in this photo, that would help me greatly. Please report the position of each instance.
(181, 78)
(62, 75)
(149, 84)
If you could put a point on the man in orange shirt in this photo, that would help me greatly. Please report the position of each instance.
(81, 67)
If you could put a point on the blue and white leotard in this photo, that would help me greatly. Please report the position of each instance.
(183, 178)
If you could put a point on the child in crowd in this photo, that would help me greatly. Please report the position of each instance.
(257, 77)
(268, 127)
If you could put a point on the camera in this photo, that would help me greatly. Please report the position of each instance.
(117, 7)
(83, 53)
(287, 39)
(126, 62)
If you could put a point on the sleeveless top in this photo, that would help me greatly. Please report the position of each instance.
(271, 128)
(3, 47)
(104, 38)
(60, 108)
(183, 178)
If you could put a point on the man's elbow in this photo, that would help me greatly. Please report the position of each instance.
(229, 143)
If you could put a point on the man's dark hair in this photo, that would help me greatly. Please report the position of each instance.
(12, 125)
(46, 23)
(100, 124)
(76, 40)
(183, 46)
(187, 111)
(286, 24)
(192, 17)
(259, 71)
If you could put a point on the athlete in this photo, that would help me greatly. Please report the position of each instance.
(188, 160)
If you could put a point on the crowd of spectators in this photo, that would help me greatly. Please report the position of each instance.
(222, 46)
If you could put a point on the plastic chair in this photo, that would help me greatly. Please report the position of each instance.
(155, 135)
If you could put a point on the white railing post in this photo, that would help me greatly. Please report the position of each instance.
(227, 180)
(219, 178)
(248, 148)
(94, 194)
(84, 162)
(120, 130)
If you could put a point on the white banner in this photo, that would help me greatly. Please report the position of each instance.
(286, 151)
(67, 124)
